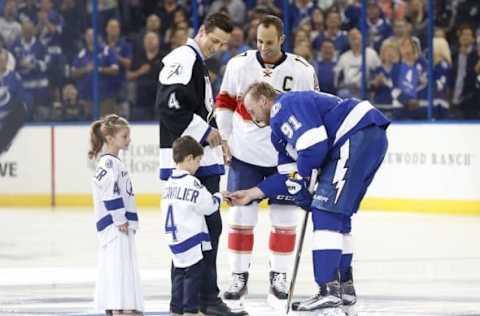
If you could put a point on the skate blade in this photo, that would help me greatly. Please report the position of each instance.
(275, 303)
(350, 310)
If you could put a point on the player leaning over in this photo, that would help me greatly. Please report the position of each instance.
(346, 139)
(253, 155)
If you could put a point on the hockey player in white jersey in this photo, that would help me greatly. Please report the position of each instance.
(253, 156)
(118, 288)
(185, 203)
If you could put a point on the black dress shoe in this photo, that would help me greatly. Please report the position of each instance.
(220, 309)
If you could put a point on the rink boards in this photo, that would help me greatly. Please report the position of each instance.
(428, 168)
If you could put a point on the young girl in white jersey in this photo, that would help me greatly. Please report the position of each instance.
(118, 289)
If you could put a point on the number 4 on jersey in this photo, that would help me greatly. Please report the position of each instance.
(170, 224)
(173, 102)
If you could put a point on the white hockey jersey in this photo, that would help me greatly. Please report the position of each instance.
(113, 195)
(247, 142)
(185, 202)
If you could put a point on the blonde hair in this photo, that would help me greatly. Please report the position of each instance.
(258, 89)
(389, 45)
(108, 125)
(441, 50)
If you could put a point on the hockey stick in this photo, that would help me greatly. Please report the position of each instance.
(311, 187)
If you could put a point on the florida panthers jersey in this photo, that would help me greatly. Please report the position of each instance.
(307, 125)
(185, 202)
(247, 142)
(113, 195)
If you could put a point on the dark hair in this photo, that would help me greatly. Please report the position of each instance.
(268, 20)
(327, 40)
(463, 27)
(219, 20)
(257, 89)
(184, 146)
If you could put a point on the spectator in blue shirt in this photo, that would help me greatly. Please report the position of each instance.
(383, 76)
(49, 29)
(32, 62)
(334, 33)
(117, 84)
(299, 10)
(325, 67)
(378, 28)
(407, 83)
(82, 72)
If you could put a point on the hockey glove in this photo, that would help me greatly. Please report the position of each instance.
(297, 187)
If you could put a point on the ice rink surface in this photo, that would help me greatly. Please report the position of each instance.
(404, 264)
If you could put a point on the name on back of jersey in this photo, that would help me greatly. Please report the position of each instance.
(181, 193)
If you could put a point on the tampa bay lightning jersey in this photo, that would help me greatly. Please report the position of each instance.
(306, 125)
(11, 92)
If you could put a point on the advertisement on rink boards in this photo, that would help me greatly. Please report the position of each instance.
(72, 145)
(425, 162)
(430, 161)
(25, 166)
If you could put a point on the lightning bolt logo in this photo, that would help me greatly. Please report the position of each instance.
(341, 169)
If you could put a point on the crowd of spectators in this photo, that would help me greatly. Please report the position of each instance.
(50, 45)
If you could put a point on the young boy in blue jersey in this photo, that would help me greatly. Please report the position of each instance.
(346, 139)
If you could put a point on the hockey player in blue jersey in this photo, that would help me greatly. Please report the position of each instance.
(346, 139)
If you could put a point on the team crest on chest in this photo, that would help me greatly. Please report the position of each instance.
(267, 72)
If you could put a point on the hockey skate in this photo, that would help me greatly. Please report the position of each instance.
(278, 293)
(235, 294)
(328, 300)
(349, 297)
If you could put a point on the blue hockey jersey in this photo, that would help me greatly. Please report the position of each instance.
(307, 125)
(12, 107)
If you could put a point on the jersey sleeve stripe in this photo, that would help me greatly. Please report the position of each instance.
(108, 220)
(197, 128)
(225, 101)
(352, 119)
(311, 137)
(242, 110)
(287, 167)
(113, 205)
(216, 200)
(189, 243)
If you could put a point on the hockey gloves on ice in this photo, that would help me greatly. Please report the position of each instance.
(298, 188)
